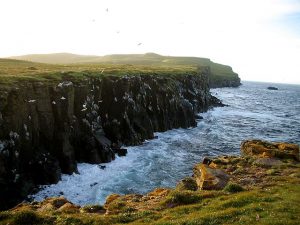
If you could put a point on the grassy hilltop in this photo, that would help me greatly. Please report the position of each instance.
(12, 70)
(219, 72)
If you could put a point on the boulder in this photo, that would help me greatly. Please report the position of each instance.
(263, 149)
(208, 178)
(267, 162)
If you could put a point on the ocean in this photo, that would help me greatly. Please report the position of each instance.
(253, 112)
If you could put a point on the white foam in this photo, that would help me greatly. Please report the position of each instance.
(163, 161)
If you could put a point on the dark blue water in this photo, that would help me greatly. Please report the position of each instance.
(254, 112)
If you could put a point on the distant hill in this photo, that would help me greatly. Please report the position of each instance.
(221, 75)
(55, 58)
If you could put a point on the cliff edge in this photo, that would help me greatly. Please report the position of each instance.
(220, 75)
(55, 116)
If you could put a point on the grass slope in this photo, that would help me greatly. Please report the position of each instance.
(12, 70)
(218, 71)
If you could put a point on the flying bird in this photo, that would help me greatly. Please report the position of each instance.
(139, 44)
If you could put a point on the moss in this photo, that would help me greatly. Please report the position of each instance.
(233, 188)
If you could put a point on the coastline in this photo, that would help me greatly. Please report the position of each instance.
(253, 188)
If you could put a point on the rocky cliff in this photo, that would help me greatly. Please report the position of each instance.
(47, 127)
(219, 81)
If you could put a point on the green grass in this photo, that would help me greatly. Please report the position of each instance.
(29, 217)
(233, 188)
(123, 63)
(279, 204)
(182, 197)
(16, 70)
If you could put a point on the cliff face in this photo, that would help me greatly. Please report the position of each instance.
(46, 127)
(219, 81)
(223, 76)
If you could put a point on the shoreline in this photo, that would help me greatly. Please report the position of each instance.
(245, 183)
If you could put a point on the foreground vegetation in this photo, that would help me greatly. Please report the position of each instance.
(260, 191)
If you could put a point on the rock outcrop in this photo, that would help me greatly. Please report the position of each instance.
(209, 178)
(272, 88)
(47, 127)
(264, 149)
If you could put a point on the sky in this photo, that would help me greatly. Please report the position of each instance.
(260, 39)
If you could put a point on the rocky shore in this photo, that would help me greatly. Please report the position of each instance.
(260, 187)
(47, 127)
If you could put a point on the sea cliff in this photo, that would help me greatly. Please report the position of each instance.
(47, 126)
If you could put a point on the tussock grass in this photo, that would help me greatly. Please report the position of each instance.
(233, 188)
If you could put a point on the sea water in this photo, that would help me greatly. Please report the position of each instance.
(253, 112)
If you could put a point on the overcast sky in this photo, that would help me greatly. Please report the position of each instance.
(260, 39)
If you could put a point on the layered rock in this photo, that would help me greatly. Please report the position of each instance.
(264, 149)
(210, 178)
(47, 127)
(258, 155)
